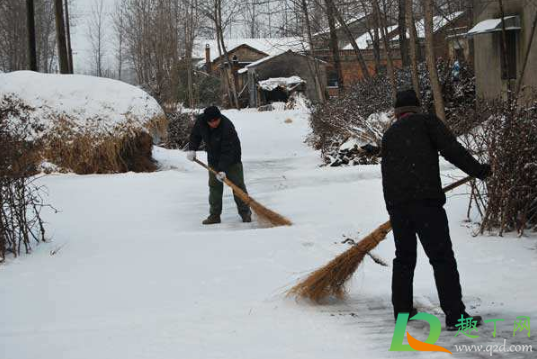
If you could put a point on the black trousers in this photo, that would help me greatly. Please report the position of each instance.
(427, 220)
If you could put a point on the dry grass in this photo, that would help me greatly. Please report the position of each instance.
(84, 151)
(329, 281)
(288, 120)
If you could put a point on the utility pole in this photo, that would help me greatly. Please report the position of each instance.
(68, 28)
(30, 18)
(60, 34)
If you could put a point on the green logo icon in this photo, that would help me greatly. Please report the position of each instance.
(435, 327)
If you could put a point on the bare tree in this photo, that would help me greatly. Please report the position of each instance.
(191, 24)
(96, 34)
(318, 85)
(352, 40)
(251, 15)
(431, 60)
(68, 35)
(61, 41)
(402, 27)
(413, 44)
(334, 43)
(118, 26)
(30, 11)
(387, 48)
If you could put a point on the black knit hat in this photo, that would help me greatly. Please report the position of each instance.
(406, 98)
(211, 112)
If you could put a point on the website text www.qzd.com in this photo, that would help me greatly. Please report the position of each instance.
(491, 349)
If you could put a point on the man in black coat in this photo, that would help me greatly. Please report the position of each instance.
(224, 156)
(414, 199)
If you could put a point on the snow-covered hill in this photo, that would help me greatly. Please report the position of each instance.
(136, 275)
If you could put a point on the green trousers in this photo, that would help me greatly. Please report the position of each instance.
(216, 189)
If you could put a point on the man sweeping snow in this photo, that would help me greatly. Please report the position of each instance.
(224, 155)
(414, 199)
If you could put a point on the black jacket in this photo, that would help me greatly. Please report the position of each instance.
(222, 143)
(410, 166)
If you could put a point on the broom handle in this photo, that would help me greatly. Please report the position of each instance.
(457, 183)
(239, 192)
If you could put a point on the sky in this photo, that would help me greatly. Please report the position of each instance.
(80, 41)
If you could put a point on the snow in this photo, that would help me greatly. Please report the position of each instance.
(98, 103)
(136, 275)
(275, 82)
(491, 25)
(270, 46)
(439, 22)
(365, 40)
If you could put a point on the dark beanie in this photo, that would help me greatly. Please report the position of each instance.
(211, 112)
(406, 98)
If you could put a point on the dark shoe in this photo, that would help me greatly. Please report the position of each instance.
(451, 323)
(246, 217)
(412, 313)
(212, 219)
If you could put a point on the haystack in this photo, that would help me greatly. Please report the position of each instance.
(86, 124)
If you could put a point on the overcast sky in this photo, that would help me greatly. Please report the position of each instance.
(80, 41)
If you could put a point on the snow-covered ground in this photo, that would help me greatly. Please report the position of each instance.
(136, 275)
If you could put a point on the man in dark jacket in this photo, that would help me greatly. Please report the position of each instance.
(224, 156)
(414, 199)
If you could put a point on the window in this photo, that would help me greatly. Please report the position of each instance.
(332, 78)
(509, 70)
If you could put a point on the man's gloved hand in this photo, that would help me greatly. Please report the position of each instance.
(191, 155)
(486, 171)
(221, 176)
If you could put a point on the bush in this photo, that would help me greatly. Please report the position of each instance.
(179, 127)
(506, 137)
(20, 198)
(355, 113)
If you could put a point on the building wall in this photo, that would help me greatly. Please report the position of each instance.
(243, 53)
(352, 72)
(487, 52)
(291, 64)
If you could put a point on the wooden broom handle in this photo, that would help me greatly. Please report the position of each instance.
(458, 183)
(243, 195)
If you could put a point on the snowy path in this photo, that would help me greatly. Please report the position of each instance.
(137, 276)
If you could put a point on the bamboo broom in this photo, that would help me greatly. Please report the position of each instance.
(262, 212)
(330, 280)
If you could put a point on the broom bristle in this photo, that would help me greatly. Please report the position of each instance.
(263, 212)
(330, 280)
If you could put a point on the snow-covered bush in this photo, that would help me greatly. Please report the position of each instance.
(20, 198)
(87, 124)
(364, 111)
(506, 137)
(179, 127)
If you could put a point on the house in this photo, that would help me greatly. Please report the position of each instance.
(491, 81)
(449, 43)
(274, 77)
(358, 25)
(241, 51)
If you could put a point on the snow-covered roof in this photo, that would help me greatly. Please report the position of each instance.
(439, 22)
(350, 21)
(264, 59)
(493, 25)
(364, 40)
(270, 46)
(255, 63)
(285, 82)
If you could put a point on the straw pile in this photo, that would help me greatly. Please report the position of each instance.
(85, 124)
